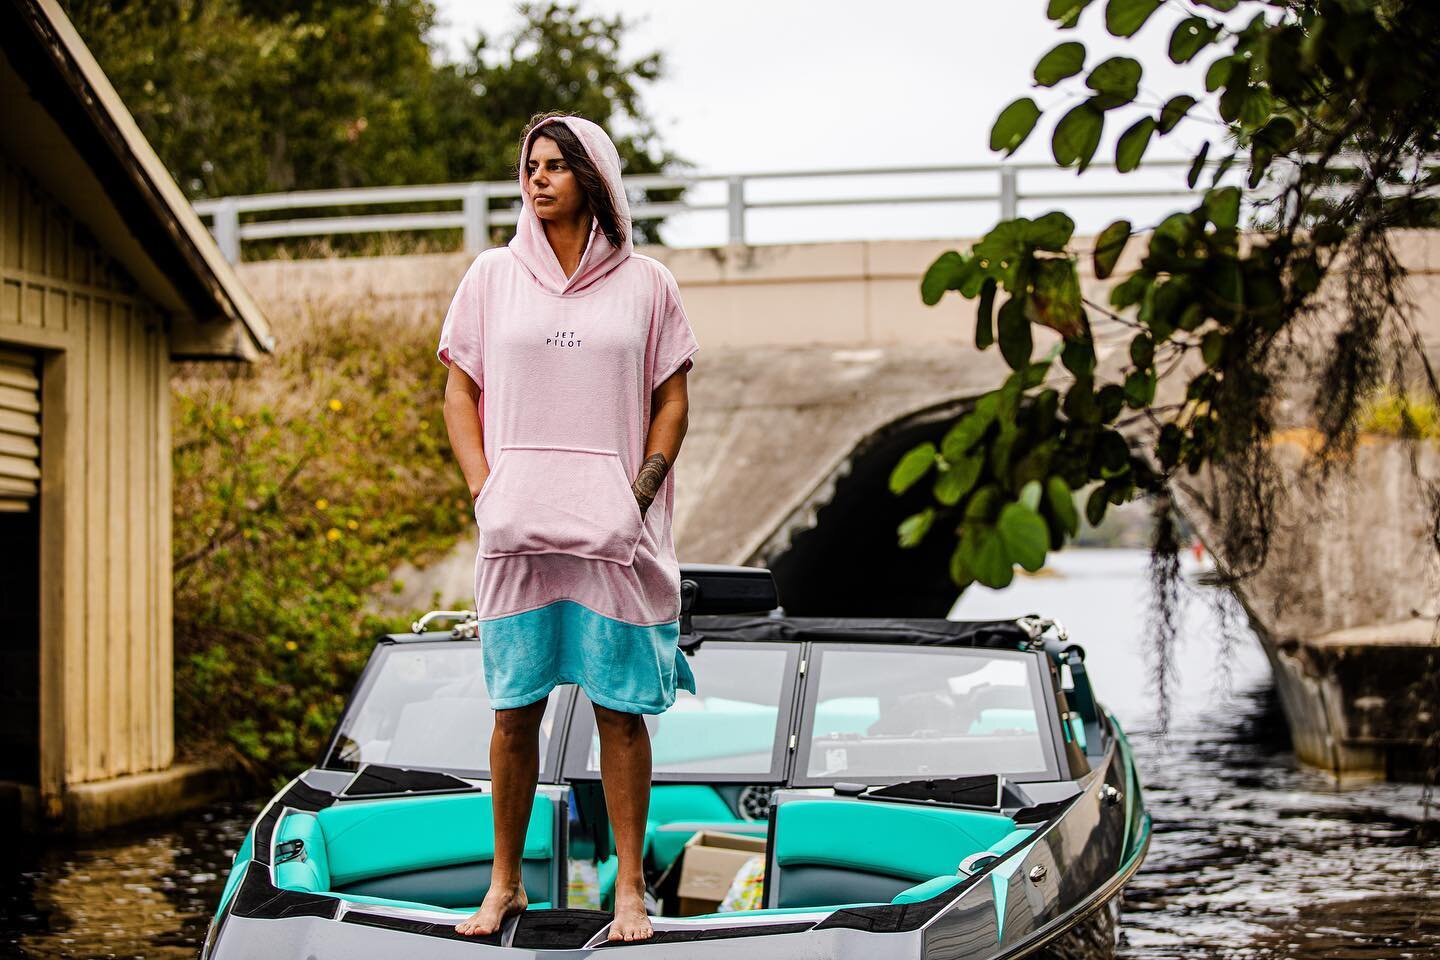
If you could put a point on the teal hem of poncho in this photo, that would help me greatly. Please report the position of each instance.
(622, 660)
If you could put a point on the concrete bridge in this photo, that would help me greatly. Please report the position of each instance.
(819, 366)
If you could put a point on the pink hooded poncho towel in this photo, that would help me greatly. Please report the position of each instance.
(572, 583)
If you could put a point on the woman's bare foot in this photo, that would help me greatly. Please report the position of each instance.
(631, 920)
(501, 901)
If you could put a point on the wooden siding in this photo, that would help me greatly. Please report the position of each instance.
(105, 491)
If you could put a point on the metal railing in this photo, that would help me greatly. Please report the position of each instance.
(476, 213)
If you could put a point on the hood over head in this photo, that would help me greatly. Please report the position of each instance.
(530, 245)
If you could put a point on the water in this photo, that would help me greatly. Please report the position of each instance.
(1251, 857)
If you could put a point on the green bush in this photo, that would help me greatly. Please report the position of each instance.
(301, 482)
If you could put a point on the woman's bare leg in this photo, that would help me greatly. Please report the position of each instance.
(514, 771)
(625, 772)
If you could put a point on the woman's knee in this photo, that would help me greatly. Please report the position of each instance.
(520, 721)
(619, 723)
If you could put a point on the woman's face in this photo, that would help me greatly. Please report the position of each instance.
(550, 183)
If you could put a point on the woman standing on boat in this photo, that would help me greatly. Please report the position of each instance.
(566, 405)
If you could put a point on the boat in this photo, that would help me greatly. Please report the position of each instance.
(915, 787)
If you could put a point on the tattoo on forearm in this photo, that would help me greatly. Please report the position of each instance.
(647, 483)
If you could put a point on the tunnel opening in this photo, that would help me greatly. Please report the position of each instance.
(838, 553)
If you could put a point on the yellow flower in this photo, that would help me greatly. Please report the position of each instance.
(321, 504)
(291, 645)
(353, 525)
(424, 424)
(239, 422)
(335, 405)
(332, 534)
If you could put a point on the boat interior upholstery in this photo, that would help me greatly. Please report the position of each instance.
(436, 852)
(853, 850)
(413, 851)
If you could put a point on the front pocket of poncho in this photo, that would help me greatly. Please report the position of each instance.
(550, 499)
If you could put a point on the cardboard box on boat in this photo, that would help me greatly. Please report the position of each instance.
(708, 865)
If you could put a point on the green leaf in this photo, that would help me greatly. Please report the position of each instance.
(1055, 299)
(1111, 400)
(984, 504)
(1197, 165)
(1218, 73)
(1117, 80)
(984, 554)
(954, 483)
(1095, 506)
(960, 574)
(1191, 35)
(1015, 340)
(985, 316)
(1108, 247)
(1174, 111)
(946, 269)
(1024, 534)
(1142, 350)
(1077, 135)
(967, 431)
(1030, 495)
(1061, 504)
(1050, 232)
(1035, 374)
(1000, 450)
(1008, 397)
(1139, 388)
(1167, 446)
(1066, 12)
(914, 527)
(1035, 464)
(1112, 453)
(1014, 125)
(1212, 347)
(914, 465)
(1131, 290)
(1222, 207)
(1124, 17)
(1079, 357)
(1064, 61)
(1131, 146)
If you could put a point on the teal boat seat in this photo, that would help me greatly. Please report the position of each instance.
(837, 851)
(415, 851)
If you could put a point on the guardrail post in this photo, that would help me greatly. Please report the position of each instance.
(477, 217)
(1009, 193)
(736, 207)
(226, 228)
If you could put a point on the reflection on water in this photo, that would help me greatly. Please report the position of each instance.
(132, 893)
(1251, 858)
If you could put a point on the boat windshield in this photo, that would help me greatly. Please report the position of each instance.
(734, 727)
(880, 716)
(424, 706)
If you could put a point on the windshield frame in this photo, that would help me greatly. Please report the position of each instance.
(580, 725)
(560, 708)
(1041, 693)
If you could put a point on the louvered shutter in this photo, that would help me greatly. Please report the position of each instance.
(19, 430)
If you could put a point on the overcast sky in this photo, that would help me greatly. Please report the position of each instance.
(770, 85)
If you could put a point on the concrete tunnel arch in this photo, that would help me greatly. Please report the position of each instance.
(836, 553)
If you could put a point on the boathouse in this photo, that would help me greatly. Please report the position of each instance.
(107, 274)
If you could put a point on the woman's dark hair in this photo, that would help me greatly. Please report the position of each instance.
(597, 192)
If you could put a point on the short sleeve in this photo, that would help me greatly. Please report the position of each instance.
(675, 343)
(462, 334)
